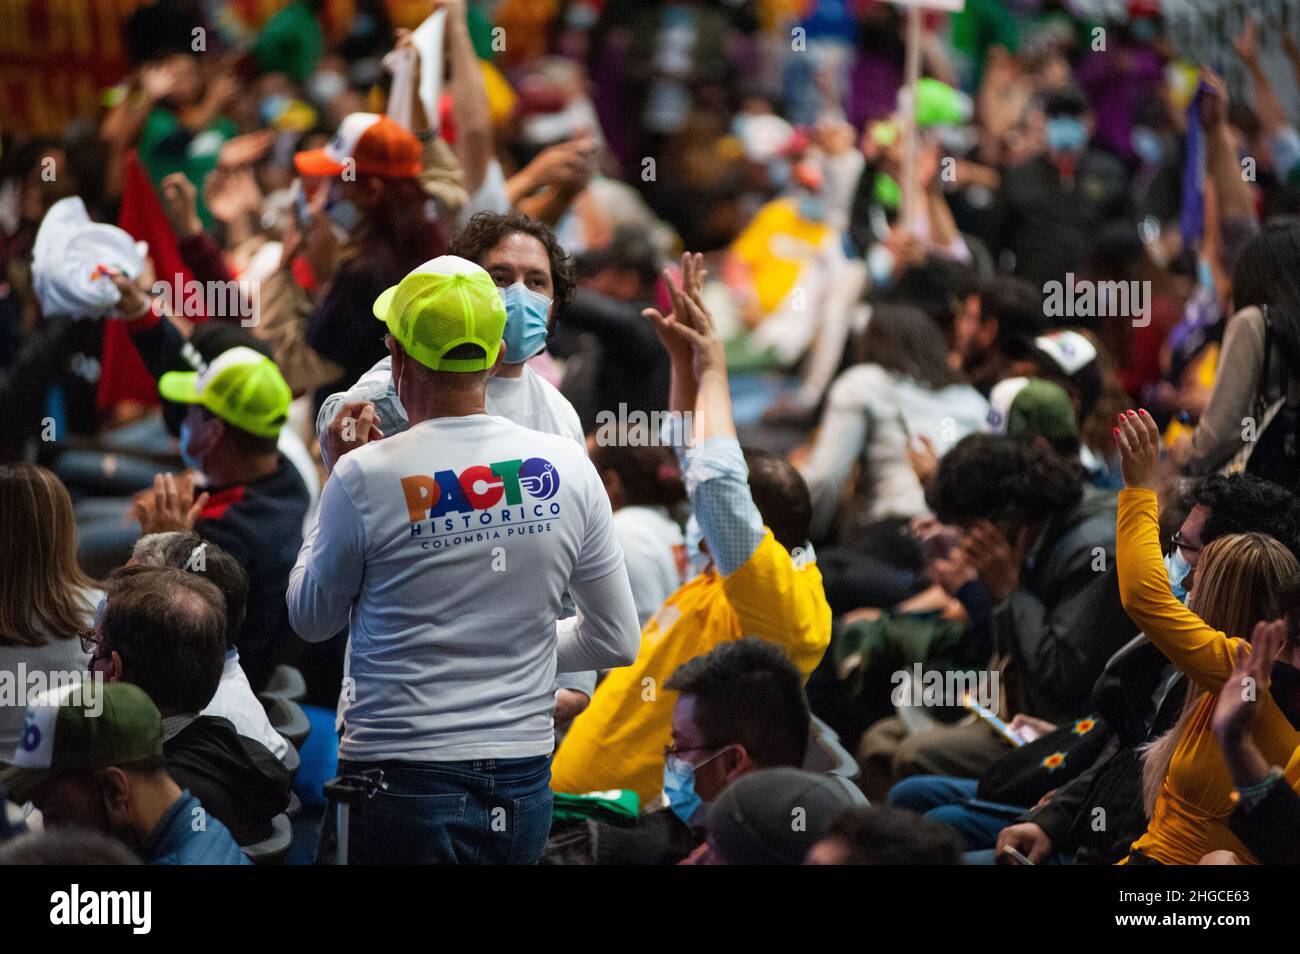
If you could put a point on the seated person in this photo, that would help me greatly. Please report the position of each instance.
(1238, 582)
(771, 817)
(886, 836)
(164, 630)
(1033, 569)
(753, 512)
(1140, 693)
(1267, 816)
(234, 700)
(738, 708)
(101, 767)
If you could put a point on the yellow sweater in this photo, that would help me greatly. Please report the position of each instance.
(1192, 809)
(618, 741)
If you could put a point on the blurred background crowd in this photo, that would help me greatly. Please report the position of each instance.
(933, 301)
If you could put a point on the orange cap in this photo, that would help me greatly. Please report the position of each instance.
(369, 144)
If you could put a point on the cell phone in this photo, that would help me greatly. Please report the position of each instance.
(301, 213)
(1016, 856)
(998, 726)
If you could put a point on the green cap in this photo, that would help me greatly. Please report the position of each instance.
(445, 303)
(241, 386)
(80, 728)
(1032, 407)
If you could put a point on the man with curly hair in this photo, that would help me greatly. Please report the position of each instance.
(536, 279)
(1033, 565)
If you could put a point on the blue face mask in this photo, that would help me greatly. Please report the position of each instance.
(187, 458)
(679, 788)
(526, 318)
(1178, 569)
(342, 212)
(1066, 134)
(880, 264)
(1148, 146)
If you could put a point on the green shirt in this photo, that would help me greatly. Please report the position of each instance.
(167, 147)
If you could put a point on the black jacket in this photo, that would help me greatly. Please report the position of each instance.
(1098, 815)
(1065, 619)
(238, 780)
(1271, 829)
(620, 362)
(1049, 223)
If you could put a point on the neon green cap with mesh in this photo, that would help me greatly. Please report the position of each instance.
(443, 304)
(241, 386)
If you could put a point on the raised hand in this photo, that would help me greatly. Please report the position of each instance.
(679, 348)
(180, 202)
(1139, 448)
(1238, 706)
(691, 321)
(171, 505)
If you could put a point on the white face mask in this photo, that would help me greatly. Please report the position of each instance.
(397, 389)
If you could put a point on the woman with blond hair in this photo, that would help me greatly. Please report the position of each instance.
(1186, 786)
(45, 598)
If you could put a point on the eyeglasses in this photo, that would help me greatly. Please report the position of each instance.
(1180, 541)
(675, 749)
(90, 641)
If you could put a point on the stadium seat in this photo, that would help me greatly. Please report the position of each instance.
(288, 719)
(274, 849)
(285, 683)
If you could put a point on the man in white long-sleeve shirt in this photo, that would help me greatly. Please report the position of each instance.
(447, 548)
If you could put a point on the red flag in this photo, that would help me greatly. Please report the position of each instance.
(123, 376)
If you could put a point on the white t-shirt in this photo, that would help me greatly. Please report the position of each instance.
(529, 400)
(655, 551)
(872, 414)
(453, 543)
(235, 701)
(535, 403)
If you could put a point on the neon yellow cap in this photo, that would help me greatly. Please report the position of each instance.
(241, 386)
(445, 303)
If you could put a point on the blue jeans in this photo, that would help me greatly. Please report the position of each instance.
(486, 811)
(953, 801)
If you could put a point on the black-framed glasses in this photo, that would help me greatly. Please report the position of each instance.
(1182, 543)
(678, 751)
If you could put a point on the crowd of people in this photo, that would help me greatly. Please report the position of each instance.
(655, 433)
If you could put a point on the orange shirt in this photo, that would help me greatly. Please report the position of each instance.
(1192, 809)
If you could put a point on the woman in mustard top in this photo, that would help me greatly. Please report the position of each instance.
(1186, 786)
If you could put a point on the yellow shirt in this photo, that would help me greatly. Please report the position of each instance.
(618, 741)
(1192, 809)
(774, 248)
